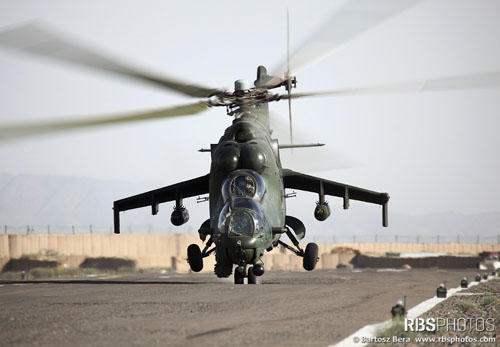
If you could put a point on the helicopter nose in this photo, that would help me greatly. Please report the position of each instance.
(241, 255)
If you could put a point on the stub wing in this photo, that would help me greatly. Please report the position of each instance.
(299, 181)
(153, 198)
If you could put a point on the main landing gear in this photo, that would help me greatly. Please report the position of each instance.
(195, 255)
(194, 258)
(309, 256)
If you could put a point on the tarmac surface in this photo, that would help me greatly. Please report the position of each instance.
(287, 308)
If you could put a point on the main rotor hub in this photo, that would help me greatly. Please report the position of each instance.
(241, 85)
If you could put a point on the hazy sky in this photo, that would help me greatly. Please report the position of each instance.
(435, 151)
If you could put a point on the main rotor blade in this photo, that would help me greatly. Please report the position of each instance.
(290, 111)
(38, 40)
(287, 76)
(346, 23)
(489, 79)
(14, 131)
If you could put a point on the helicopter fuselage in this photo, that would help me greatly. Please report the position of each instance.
(247, 196)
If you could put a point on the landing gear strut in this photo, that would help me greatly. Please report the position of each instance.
(310, 255)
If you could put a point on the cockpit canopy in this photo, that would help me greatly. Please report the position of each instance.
(242, 191)
(243, 184)
(240, 223)
(243, 218)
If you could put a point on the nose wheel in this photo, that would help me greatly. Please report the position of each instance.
(252, 279)
(239, 276)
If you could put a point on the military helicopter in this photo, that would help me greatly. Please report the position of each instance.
(246, 184)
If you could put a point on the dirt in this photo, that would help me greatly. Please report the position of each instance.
(469, 318)
(480, 303)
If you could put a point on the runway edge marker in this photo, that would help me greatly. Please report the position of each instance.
(369, 331)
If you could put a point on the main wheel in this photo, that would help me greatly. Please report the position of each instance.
(252, 279)
(194, 258)
(238, 277)
(310, 256)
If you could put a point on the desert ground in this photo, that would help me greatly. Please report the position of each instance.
(292, 308)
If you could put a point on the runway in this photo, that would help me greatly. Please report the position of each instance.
(296, 308)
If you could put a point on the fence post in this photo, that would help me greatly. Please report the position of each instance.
(5, 229)
(27, 229)
(48, 229)
(395, 238)
(90, 228)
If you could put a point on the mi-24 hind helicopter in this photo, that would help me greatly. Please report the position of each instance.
(246, 183)
(246, 187)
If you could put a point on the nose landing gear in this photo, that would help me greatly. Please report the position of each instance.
(251, 274)
(239, 275)
(252, 279)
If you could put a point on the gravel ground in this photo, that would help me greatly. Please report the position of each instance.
(478, 309)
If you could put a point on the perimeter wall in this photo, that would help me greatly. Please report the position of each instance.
(169, 251)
